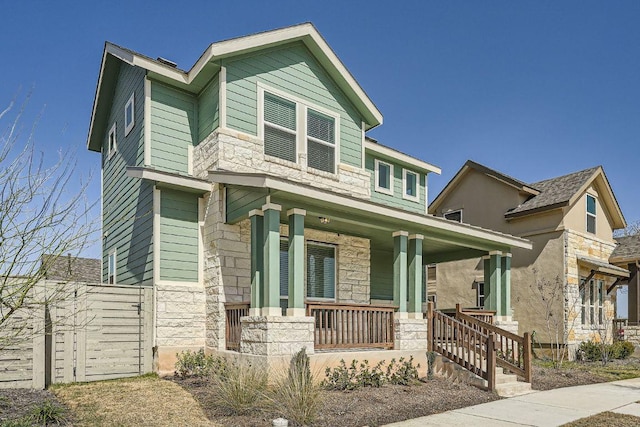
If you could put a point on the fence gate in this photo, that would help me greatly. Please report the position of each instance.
(100, 332)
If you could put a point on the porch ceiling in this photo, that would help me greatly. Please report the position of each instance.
(443, 240)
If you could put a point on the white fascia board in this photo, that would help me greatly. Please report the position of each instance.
(147, 63)
(96, 96)
(394, 154)
(169, 179)
(266, 181)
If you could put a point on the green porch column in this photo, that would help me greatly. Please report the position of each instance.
(415, 276)
(505, 306)
(271, 277)
(400, 272)
(257, 260)
(493, 300)
(296, 262)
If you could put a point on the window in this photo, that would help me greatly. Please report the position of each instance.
(321, 149)
(454, 215)
(129, 115)
(410, 185)
(111, 269)
(480, 294)
(292, 126)
(383, 177)
(591, 214)
(592, 302)
(321, 271)
(284, 275)
(112, 145)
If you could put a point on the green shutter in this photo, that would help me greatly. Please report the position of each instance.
(321, 271)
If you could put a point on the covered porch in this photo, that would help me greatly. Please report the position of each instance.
(317, 257)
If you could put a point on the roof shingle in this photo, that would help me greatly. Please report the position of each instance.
(628, 248)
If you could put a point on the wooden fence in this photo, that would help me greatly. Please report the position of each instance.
(233, 313)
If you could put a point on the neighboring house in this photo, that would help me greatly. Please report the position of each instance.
(570, 220)
(627, 255)
(249, 179)
(71, 269)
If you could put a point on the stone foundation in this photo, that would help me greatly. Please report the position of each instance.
(276, 335)
(508, 325)
(410, 334)
(632, 334)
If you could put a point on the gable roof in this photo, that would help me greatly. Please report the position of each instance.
(207, 65)
(628, 249)
(544, 195)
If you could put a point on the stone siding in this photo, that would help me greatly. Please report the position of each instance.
(586, 245)
(410, 334)
(276, 336)
(234, 151)
(632, 334)
(180, 315)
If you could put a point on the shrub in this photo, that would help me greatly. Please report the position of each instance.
(239, 388)
(296, 395)
(589, 351)
(402, 372)
(47, 413)
(622, 349)
(198, 364)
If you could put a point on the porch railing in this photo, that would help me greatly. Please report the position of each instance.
(477, 313)
(513, 351)
(352, 325)
(618, 328)
(463, 344)
(233, 312)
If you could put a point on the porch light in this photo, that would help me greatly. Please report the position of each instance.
(324, 220)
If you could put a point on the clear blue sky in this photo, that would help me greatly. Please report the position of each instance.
(533, 89)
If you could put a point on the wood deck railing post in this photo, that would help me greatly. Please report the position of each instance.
(430, 326)
(491, 362)
(526, 348)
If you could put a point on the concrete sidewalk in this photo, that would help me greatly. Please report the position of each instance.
(542, 408)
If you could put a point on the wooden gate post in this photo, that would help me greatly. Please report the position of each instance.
(430, 326)
(491, 362)
(526, 360)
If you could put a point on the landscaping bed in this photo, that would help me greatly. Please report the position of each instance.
(25, 407)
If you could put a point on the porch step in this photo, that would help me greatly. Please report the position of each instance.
(512, 389)
(502, 378)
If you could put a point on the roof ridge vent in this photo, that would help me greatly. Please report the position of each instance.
(168, 62)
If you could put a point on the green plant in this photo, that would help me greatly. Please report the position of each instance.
(622, 349)
(589, 351)
(404, 373)
(341, 377)
(25, 421)
(198, 364)
(239, 388)
(431, 360)
(48, 413)
(297, 395)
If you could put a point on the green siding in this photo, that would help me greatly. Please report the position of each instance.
(292, 70)
(208, 111)
(173, 128)
(381, 275)
(178, 236)
(127, 220)
(240, 201)
(396, 200)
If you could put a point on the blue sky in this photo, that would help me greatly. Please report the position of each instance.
(533, 89)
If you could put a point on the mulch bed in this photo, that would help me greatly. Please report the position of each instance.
(19, 403)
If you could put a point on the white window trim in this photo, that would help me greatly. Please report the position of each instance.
(590, 289)
(404, 185)
(115, 267)
(377, 176)
(588, 214)
(335, 273)
(112, 131)
(302, 106)
(129, 126)
(444, 215)
(478, 294)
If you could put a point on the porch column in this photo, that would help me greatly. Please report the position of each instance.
(271, 256)
(415, 276)
(296, 262)
(400, 272)
(493, 300)
(505, 281)
(257, 260)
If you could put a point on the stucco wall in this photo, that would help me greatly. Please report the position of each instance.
(576, 216)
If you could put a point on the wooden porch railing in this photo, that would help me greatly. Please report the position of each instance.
(513, 351)
(233, 312)
(352, 325)
(467, 346)
(618, 328)
(478, 313)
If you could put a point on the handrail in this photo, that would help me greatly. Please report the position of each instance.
(479, 313)
(352, 325)
(464, 345)
(514, 351)
(233, 312)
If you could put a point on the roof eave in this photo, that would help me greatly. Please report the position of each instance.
(511, 215)
(400, 156)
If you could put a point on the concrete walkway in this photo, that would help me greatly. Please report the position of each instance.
(542, 408)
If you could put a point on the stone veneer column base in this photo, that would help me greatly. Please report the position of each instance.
(632, 334)
(276, 335)
(410, 334)
(507, 325)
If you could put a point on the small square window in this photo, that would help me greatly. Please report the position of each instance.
(383, 177)
(591, 214)
(410, 185)
(111, 269)
(112, 145)
(129, 115)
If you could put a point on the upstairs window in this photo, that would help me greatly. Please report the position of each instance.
(112, 145)
(321, 143)
(454, 215)
(129, 115)
(410, 185)
(111, 269)
(279, 127)
(591, 214)
(383, 177)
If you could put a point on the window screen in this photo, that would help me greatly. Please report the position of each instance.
(284, 275)
(321, 271)
(320, 141)
(279, 127)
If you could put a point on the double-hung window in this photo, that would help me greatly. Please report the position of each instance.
(112, 145)
(383, 177)
(410, 184)
(111, 269)
(129, 115)
(592, 302)
(321, 142)
(321, 271)
(591, 214)
(280, 127)
(480, 294)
